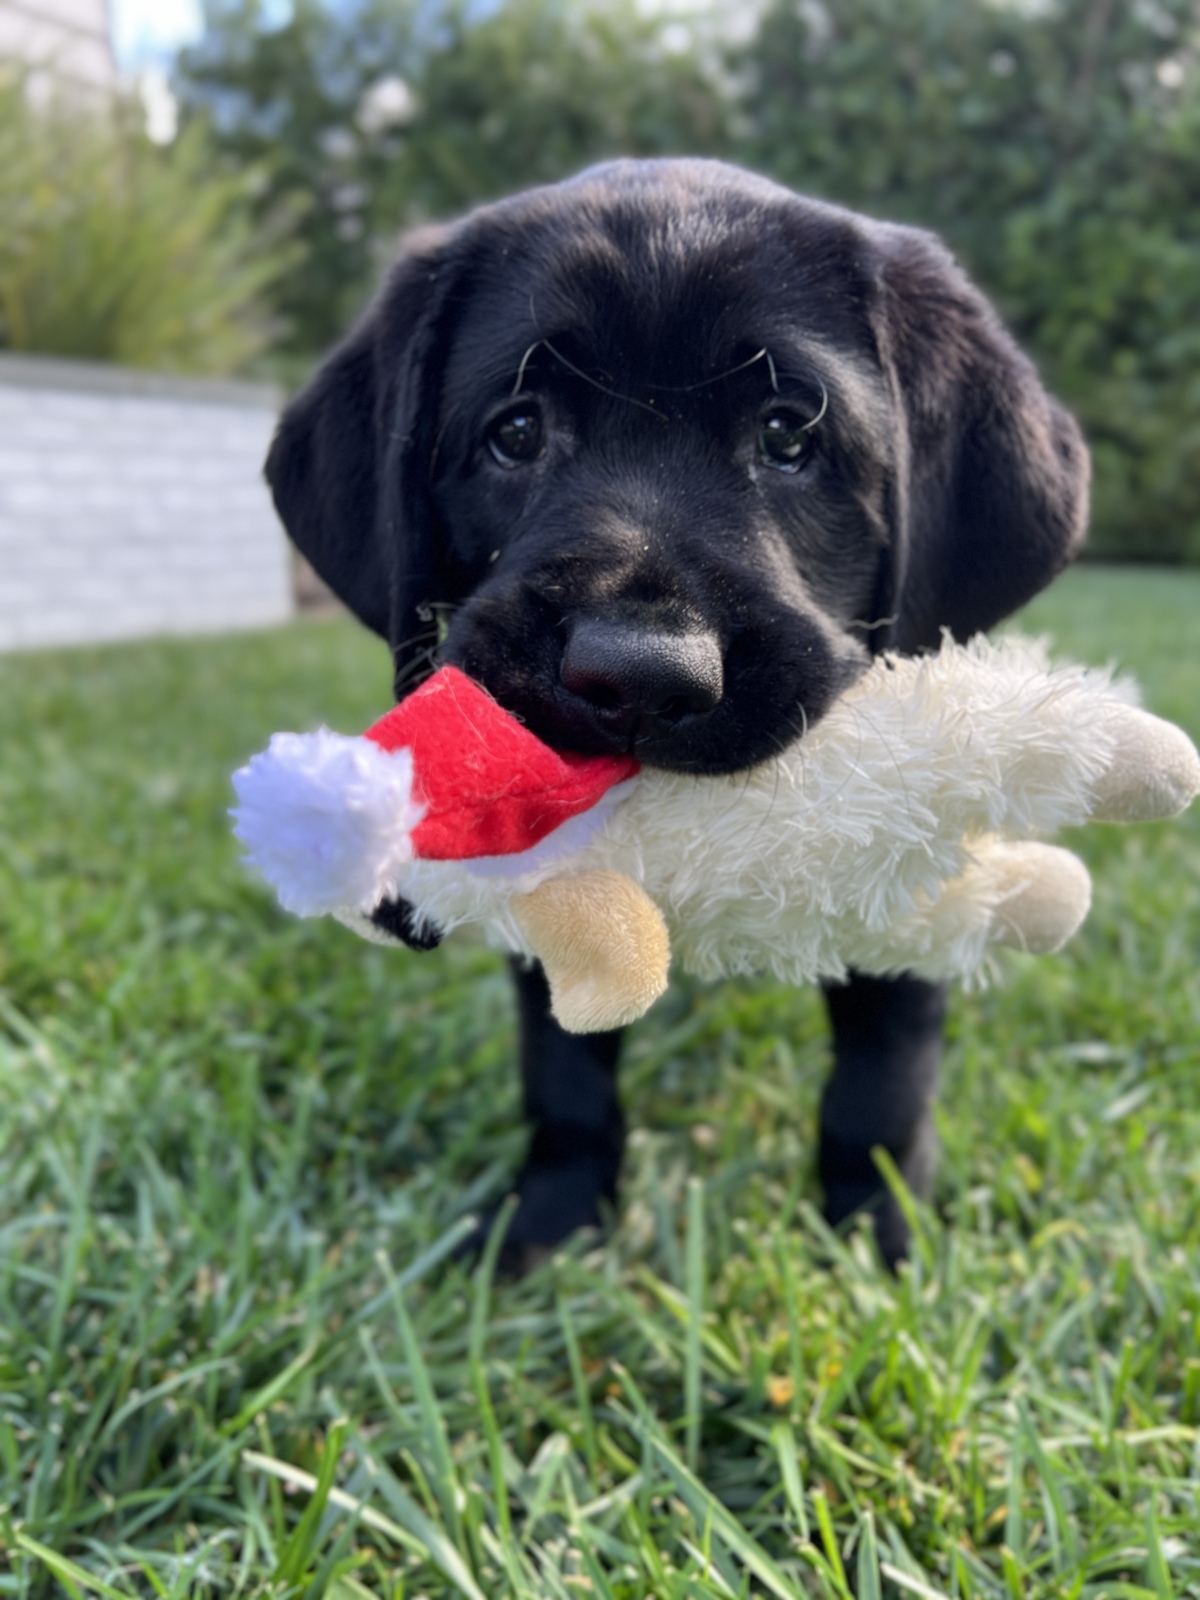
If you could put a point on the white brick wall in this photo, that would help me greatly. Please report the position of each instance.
(132, 505)
(67, 38)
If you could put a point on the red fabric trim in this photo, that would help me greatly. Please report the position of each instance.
(491, 787)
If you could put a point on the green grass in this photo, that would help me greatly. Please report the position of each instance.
(237, 1359)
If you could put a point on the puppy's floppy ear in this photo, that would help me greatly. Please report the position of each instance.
(993, 493)
(349, 464)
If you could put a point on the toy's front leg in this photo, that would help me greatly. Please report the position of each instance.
(887, 1047)
(578, 1132)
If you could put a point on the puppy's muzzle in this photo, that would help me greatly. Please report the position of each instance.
(639, 681)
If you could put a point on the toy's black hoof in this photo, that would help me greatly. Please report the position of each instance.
(398, 920)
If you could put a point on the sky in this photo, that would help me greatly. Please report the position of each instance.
(146, 32)
(151, 30)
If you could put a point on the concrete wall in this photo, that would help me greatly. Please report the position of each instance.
(66, 38)
(132, 504)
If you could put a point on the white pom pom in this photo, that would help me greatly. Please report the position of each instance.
(327, 820)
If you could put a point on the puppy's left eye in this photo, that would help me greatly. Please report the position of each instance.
(517, 436)
(785, 439)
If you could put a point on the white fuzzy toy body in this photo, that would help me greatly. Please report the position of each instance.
(875, 842)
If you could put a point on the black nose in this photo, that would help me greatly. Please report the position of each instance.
(637, 676)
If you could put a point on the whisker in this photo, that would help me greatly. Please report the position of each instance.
(422, 664)
(880, 622)
(688, 388)
(516, 388)
(823, 410)
(615, 394)
(824, 392)
(431, 627)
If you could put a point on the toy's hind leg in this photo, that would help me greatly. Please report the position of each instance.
(887, 1046)
(570, 1087)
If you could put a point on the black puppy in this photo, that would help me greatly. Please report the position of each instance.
(672, 451)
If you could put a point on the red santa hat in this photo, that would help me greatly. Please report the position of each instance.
(447, 775)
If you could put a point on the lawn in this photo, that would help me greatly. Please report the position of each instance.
(237, 1356)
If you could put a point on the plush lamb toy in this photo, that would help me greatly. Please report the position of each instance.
(894, 836)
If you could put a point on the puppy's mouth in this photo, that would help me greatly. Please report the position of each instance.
(680, 700)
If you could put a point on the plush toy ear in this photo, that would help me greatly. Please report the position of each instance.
(992, 498)
(349, 464)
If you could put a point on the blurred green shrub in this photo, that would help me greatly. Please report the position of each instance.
(114, 249)
(1057, 148)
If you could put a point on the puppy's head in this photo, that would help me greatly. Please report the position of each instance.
(673, 450)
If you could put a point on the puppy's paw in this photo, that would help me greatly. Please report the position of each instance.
(553, 1203)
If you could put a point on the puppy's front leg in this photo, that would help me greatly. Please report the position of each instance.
(887, 1047)
(570, 1087)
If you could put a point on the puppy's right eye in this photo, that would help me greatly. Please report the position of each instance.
(785, 439)
(517, 436)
